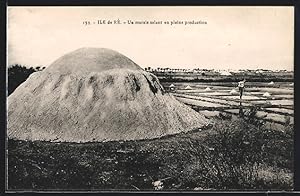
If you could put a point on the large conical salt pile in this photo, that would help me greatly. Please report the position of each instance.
(95, 94)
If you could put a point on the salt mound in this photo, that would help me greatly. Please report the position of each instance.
(266, 94)
(233, 91)
(271, 83)
(86, 60)
(188, 87)
(172, 86)
(225, 73)
(207, 89)
(96, 95)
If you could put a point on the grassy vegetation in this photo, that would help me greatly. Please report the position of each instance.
(233, 154)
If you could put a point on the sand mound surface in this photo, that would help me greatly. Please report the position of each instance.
(96, 95)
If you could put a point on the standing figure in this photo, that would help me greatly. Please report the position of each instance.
(241, 86)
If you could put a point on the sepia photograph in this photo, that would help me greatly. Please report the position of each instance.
(150, 98)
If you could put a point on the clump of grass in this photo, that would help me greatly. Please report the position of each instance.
(237, 154)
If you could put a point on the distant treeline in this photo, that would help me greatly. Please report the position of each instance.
(275, 77)
(228, 79)
(17, 74)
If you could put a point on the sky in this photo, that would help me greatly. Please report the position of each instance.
(227, 38)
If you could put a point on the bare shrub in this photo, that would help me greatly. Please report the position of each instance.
(238, 154)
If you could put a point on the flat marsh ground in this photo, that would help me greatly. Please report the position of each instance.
(230, 155)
